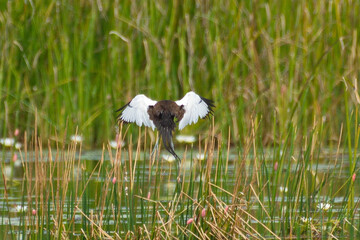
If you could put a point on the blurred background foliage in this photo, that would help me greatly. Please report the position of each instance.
(67, 64)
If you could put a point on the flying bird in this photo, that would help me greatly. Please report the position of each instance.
(162, 114)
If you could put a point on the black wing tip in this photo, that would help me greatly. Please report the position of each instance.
(123, 107)
(118, 117)
(210, 104)
(119, 120)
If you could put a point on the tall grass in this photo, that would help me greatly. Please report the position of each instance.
(76, 62)
(284, 79)
(252, 193)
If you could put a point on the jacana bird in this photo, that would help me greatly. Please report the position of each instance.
(162, 114)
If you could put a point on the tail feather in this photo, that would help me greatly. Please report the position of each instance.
(166, 135)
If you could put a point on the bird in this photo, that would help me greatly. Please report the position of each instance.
(165, 114)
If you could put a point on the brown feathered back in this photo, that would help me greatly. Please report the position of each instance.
(163, 115)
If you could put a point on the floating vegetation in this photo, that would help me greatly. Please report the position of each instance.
(76, 138)
(168, 157)
(185, 138)
(7, 142)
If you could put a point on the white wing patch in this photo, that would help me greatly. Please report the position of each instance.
(195, 108)
(136, 111)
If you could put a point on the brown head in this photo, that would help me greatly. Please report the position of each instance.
(163, 115)
(164, 112)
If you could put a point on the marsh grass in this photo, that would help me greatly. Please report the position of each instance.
(219, 197)
(284, 79)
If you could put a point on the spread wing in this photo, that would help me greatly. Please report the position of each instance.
(137, 111)
(195, 107)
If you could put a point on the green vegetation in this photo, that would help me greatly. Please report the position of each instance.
(75, 62)
(284, 78)
(289, 195)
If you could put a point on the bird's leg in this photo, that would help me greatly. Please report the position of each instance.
(178, 160)
(155, 149)
(178, 164)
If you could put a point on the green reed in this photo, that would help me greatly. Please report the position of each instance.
(78, 62)
(263, 192)
(284, 79)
